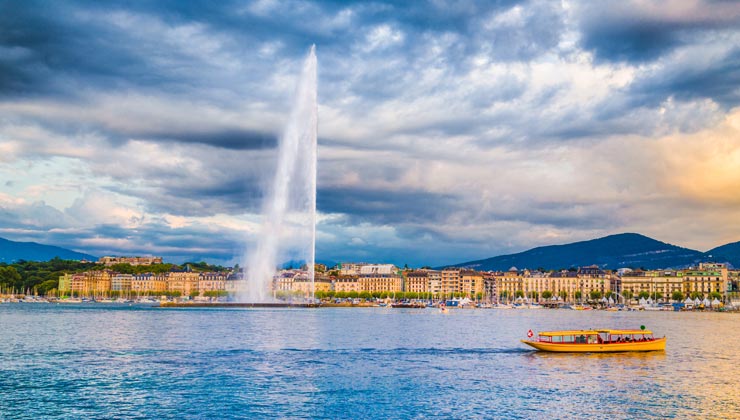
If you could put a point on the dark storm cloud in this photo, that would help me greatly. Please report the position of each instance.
(636, 32)
(384, 206)
(50, 51)
(175, 245)
(193, 199)
(228, 139)
(718, 79)
(63, 48)
(422, 212)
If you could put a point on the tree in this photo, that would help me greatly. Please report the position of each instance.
(715, 295)
(578, 294)
(365, 295)
(546, 294)
(532, 295)
(643, 295)
(47, 286)
(519, 294)
(596, 294)
(696, 295)
(677, 296)
(627, 294)
(563, 294)
(9, 277)
(504, 294)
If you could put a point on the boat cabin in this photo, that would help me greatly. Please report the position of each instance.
(595, 336)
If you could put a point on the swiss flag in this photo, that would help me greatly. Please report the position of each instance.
(530, 334)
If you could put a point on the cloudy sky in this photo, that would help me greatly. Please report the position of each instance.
(448, 131)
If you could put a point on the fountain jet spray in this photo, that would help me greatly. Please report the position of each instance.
(289, 209)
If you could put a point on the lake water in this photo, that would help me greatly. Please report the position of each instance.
(109, 361)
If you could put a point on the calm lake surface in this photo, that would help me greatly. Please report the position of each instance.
(110, 361)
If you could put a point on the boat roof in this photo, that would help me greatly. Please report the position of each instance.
(587, 332)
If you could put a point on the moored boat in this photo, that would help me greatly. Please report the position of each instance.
(595, 341)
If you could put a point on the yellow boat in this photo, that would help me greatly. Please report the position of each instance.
(596, 341)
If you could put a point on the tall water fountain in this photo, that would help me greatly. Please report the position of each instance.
(289, 207)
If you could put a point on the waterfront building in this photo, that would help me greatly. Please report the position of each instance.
(211, 282)
(77, 284)
(234, 285)
(510, 283)
(490, 287)
(344, 283)
(302, 285)
(350, 269)
(147, 283)
(65, 282)
(701, 281)
(471, 283)
(449, 281)
(567, 285)
(657, 284)
(184, 282)
(283, 280)
(594, 279)
(707, 278)
(733, 280)
(435, 282)
(108, 261)
(298, 282)
(380, 278)
(91, 283)
(121, 282)
(417, 282)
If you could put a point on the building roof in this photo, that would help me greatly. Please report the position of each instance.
(378, 269)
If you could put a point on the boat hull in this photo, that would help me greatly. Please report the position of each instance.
(654, 345)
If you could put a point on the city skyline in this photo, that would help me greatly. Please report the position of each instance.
(450, 131)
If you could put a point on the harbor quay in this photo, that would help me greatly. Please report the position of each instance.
(705, 286)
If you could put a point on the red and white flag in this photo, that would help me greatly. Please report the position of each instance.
(530, 334)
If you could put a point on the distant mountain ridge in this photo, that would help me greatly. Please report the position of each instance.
(11, 251)
(728, 252)
(610, 252)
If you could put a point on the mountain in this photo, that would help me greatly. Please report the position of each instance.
(726, 253)
(612, 252)
(11, 251)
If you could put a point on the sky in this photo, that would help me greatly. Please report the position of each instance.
(448, 131)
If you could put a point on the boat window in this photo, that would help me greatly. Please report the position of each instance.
(592, 339)
(567, 339)
(604, 337)
(557, 339)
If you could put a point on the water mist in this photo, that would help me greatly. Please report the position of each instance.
(289, 207)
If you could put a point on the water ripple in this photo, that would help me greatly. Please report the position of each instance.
(93, 362)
